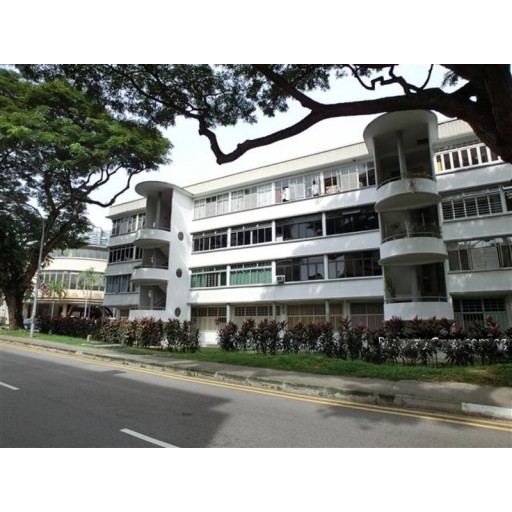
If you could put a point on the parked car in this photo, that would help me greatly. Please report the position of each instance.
(28, 321)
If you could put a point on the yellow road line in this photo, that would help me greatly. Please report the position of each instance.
(490, 424)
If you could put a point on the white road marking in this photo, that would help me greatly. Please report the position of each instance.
(8, 386)
(147, 438)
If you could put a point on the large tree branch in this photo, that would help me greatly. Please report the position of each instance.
(427, 99)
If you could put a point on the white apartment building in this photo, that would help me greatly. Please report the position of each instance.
(415, 220)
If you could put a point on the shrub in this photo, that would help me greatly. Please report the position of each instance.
(227, 337)
(118, 331)
(350, 339)
(268, 336)
(459, 352)
(294, 339)
(148, 332)
(172, 333)
(394, 327)
(372, 349)
(312, 334)
(189, 338)
(327, 343)
(70, 326)
(246, 337)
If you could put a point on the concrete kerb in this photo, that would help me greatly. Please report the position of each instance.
(461, 399)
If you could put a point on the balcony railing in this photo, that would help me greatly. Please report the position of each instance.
(416, 298)
(408, 175)
(410, 230)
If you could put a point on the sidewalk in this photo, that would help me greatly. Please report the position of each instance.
(455, 398)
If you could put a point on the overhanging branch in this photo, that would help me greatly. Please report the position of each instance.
(430, 99)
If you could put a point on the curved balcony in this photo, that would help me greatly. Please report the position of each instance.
(150, 275)
(406, 192)
(417, 248)
(425, 307)
(152, 238)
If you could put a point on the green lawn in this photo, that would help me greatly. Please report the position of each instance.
(68, 340)
(495, 375)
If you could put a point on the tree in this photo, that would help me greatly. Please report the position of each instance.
(223, 95)
(89, 279)
(58, 291)
(57, 147)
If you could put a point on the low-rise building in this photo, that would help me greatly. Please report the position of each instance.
(71, 269)
(415, 221)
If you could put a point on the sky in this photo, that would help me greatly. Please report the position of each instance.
(194, 162)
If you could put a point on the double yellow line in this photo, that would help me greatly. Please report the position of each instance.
(490, 424)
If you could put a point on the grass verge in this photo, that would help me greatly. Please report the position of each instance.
(495, 375)
(68, 340)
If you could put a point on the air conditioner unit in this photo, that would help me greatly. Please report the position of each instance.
(280, 279)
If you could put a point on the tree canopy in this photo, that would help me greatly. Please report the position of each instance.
(58, 146)
(223, 95)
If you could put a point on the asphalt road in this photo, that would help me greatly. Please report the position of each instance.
(54, 400)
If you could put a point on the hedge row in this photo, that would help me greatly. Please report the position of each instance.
(413, 342)
(70, 326)
(145, 332)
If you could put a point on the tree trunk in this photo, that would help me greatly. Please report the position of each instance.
(15, 306)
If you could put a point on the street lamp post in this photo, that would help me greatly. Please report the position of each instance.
(39, 262)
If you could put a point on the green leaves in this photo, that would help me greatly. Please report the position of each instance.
(58, 146)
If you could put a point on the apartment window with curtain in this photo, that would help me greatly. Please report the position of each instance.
(208, 277)
(251, 273)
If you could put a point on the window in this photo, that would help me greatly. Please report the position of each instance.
(250, 235)
(251, 273)
(474, 203)
(354, 264)
(296, 188)
(370, 314)
(208, 277)
(128, 224)
(210, 241)
(123, 253)
(507, 192)
(255, 311)
(208, 318)
(251, 197)
(472, 310)
(210, 206)
(120, 284)
(468, 155)
(295, 228)
(488, 254)
(301, 269)
(116, 226)
(351, 220)
(85, 253)
(348, 178)
(305, 313)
